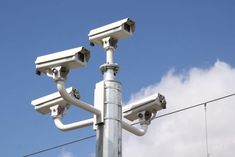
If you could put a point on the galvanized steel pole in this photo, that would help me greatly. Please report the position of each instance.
(109, 134)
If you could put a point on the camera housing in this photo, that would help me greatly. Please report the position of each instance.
(151, 104)
(117, 30)
(43, 104)
(71, 58)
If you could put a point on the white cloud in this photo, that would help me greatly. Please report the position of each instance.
(66, 154)
(183, 134)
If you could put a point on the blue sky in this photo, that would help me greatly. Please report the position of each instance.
(169, 35)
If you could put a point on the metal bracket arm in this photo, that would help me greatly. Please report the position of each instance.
(57, 112)
(137, 131)
(72, 126)
(72, 100)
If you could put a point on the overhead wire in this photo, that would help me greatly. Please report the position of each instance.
(191, 107)
(160, 116)
(61, 145)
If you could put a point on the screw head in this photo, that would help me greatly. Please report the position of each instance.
(140, 115)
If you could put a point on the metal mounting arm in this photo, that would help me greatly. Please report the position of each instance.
(60, 75)
(72, 126)
(57, 114)
(137, 131)
(72, 100)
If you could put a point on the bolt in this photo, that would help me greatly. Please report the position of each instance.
(140, 115)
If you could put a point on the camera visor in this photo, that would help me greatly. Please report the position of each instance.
(81, 57)
(127, 27)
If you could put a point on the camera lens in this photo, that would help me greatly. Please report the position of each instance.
(81, 56)
(127, 27)
(147, 115)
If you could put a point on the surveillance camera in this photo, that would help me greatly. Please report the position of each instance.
(72, 58)
(152, 104)
(117, 30)
(44, 104)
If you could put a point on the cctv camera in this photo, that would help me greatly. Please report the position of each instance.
(44, 104)
(72, 58)
(152, 104)
(117, 30)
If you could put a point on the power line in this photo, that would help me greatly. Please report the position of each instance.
(197, 105)
(68, 143)
(163, 115)
(190, 107)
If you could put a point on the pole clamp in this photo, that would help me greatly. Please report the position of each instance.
(104, 67)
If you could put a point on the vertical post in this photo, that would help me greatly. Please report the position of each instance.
(109, 134)
(206, 133)
(99, 140)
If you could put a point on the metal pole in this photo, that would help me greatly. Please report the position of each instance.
(207, 148)
(109, 135)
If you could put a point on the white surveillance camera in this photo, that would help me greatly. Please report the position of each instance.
(72, 58)
(151, 104)
(44, 104)
(117, 30)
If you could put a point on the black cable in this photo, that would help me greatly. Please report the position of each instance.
(190, 107)
(197, 105)
(167, 114)
(68, 143)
